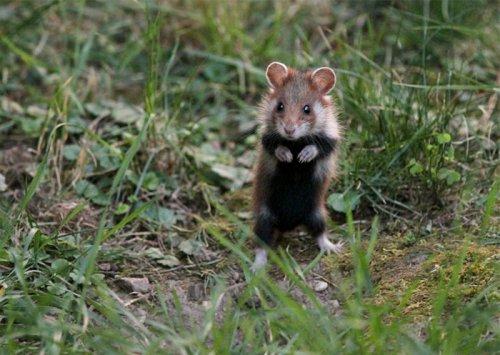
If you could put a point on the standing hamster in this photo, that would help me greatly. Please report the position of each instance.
(297, 156)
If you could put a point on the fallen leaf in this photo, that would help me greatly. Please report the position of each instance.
(124, 113)
(237, 175)
(90, 191)
(343, 202)
(161, 215)
(97, 110)
(168, 260)
(36, 111)
(60, 266)
(190, 246)
(71, 151)
(122, 208)
(153, 253)
(160, 258)
(10, 106)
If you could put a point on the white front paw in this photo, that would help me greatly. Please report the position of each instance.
(283, 154)
(308, 153)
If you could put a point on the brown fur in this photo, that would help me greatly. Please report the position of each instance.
(297, 89)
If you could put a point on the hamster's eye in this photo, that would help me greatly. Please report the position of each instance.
(306, 109)
(280, 107)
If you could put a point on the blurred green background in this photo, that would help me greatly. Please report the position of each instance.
(127, 137)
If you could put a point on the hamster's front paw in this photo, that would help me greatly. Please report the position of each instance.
(308, 153)
(283, 154)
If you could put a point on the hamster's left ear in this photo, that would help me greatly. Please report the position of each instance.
(324, 78)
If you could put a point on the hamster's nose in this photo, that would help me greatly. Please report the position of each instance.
(289, 130)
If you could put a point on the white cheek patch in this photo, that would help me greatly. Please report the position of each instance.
(302, 130)
(326, 120)
(320, 111)
(266, 108)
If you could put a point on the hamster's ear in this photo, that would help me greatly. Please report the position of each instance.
(324, 78)
(276, 73)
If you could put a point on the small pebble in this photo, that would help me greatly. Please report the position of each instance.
(105, 267)
(235, 276)
(135, 284)
(320, 286)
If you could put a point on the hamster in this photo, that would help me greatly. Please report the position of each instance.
(297, 156)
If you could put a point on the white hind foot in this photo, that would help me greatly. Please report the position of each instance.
(260, 260)
(327, 246)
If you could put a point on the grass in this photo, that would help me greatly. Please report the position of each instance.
(127, 134)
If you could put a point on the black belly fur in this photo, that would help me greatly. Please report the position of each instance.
(293, 189)
(293, 194)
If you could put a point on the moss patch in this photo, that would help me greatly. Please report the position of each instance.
(416, 272)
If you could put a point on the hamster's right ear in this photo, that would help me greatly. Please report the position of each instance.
(276, 73)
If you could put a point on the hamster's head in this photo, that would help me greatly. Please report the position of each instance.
(297, 103)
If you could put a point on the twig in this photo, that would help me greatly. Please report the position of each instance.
(182, 267)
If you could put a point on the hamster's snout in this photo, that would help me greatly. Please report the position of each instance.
(289, 130)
